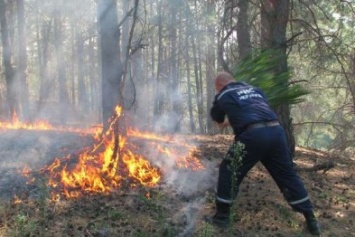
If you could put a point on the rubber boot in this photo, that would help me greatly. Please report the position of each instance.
(221, 218)
(312, 223)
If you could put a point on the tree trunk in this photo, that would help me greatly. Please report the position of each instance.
(42, 31)
(110, 57)
(351, 83)
(174, 81)
(198, 83)
(159, 88)
(11, 88)
(82, 88)
(210, 61)
(22, 61)
(61, 69)
(274, 19)
(189, 84)
(93, 71)
(73, 34)
(243, 29)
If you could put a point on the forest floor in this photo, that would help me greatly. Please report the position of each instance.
(173, 208)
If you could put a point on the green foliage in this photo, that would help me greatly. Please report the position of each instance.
(259, 70)
(235, 156)
(23, 226)
(206, 231)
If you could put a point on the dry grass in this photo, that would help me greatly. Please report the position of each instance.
(260, 209)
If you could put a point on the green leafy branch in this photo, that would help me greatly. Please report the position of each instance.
(259, 70)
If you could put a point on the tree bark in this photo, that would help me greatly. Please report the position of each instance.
(11, 89)
(159, 88)
(195, 44)
(42, 37)
(22, 61)
(210, 61)
(174, 81)
(274, 20)
(61, 68)
(189, 85)
(82, 87)
(243, 29)
(109, 35)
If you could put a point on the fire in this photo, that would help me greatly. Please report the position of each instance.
(183, 153)
(16, 200)
(43, 125)
(115, 158)
(101, 169)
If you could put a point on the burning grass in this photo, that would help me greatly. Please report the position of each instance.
(114, 158)
(174, 206)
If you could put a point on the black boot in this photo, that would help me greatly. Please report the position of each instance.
(221, 218)
(312, 223)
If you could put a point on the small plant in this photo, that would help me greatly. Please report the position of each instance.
(114, 215)
(323, 195)
(287, 216)
(235, 156)
(23, 226)
(207, 231)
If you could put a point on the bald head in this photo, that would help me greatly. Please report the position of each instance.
(222, 79)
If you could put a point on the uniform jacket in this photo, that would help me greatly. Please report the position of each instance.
(243, 104)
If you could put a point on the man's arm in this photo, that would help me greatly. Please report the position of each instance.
(217, 113)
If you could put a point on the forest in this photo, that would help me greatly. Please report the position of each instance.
(105, 113)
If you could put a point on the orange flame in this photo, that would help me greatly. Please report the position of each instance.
(98, 168)
(16, 200)
(183, 154)
(112, 159)
(44, 125)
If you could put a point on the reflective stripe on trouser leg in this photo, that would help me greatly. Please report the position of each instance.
(299, 201)
(224, 183)
(227, 201)
(224, 188)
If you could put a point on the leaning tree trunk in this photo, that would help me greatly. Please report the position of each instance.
(274, 19)
(111, 66)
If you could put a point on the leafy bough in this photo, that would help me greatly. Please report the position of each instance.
(259, 70)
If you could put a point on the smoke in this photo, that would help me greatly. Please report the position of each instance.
(189, 215)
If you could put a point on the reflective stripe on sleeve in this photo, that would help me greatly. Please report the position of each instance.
(228, 90)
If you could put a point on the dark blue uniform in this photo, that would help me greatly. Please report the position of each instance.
(255, 125)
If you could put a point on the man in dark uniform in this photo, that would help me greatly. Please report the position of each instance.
(256, 126)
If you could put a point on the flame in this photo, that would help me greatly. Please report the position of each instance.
(45, 125)
(183, 154)
(115, 158)
(101, 169)
(16, 200)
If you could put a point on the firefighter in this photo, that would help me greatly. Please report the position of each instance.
(255, 125)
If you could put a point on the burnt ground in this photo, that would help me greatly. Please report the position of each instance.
(176, 207)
